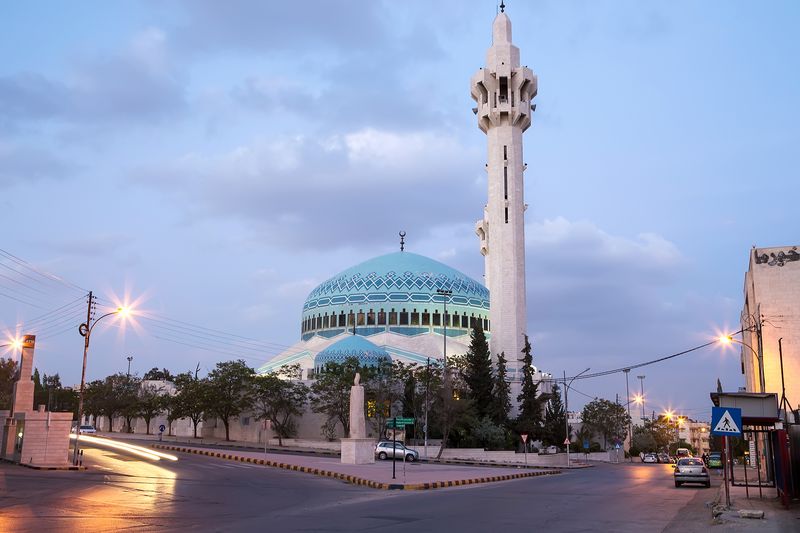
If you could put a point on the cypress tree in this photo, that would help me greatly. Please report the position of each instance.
(555, 419)
(530, 412)
(478, 373)
(501, 393)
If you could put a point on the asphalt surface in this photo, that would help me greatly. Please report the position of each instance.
(209, 494)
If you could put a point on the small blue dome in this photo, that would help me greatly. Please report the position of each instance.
(367, 353)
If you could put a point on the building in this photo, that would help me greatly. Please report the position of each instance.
(696, 434)
(503, 91)
(770, 322)
(388, 305)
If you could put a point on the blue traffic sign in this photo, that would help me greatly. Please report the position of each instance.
(726, 421)
(162, 428)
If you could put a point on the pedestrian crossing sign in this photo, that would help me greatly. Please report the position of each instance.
(726, 421)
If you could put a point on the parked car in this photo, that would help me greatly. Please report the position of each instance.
(387, 448)
(682, 452)
(87, 429)
(664, 458)
(650, 458)
(714, 460)
(691, 470)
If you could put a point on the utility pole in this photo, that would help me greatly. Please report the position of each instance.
(86, 329)
(427, 386)
(630, 422)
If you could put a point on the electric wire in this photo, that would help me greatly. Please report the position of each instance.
(41, 272)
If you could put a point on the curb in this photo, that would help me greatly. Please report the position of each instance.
(355, 480)
(40, 467)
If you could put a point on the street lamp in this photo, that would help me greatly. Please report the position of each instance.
(726, 340)
(85, 330)
(445, 294)
(566, 406)
(641, 382)
(14, 344)
(130, 358)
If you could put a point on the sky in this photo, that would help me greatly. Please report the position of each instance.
(214, 161)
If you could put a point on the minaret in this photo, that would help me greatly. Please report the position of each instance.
(503, 92)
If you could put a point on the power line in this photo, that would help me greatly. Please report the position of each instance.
(41, 272)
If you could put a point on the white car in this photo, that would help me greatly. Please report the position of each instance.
(650, 458)
(88, 430)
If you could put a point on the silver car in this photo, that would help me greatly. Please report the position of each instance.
(387, 448)
(691, 470)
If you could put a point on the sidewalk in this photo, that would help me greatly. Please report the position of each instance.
(776, 517)
(408, 476)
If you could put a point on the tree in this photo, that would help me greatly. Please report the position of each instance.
(530, 408)
(192, 399)
(653, 435)
(169, 406)
(555, 419)
(501, 393)
(8, 372)
(278, 397)
(39, 392)
(606, 418)
(382, 390)
(151, 402)
(125, 395)
(228, 385)
(330, 394)
(478, 373)
(450, 407)
(154, 374)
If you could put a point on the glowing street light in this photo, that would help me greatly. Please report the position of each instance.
(14, 344)
(85, 330)
(727, 340)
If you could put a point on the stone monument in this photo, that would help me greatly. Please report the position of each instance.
(34, 437)
(358, 449)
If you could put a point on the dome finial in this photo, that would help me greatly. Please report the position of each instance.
(502, 7)
(402, 241)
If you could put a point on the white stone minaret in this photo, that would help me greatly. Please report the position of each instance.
(503, 91)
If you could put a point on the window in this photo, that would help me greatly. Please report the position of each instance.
(342, 320)
(246, 421)
(371, 318)
(351, 319)
(503, 89)
(403, 317)
(361, 317)
(426, 318)
(485, 325)
(506, 215)
(393, 318)
(505, 184)
(472, 321)
(414, 318)
(325, 322)
(437, 318)
(381, 318)
(464, 321)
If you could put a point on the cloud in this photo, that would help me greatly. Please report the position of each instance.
(301, 193)
(141, 83)
(24, 164)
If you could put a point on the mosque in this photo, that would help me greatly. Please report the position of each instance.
(411, 308)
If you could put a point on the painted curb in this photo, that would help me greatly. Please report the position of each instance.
(40, 467)
(355, 480)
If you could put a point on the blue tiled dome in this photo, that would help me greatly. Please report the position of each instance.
(367, 353)
(388, 285)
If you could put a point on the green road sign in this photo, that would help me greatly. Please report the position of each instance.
(401, 422)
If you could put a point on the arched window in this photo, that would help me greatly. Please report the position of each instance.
(361, 317)
(392, 317)
(426, 318)
(381, 317)
(325, 323)
(437, 318)
(342, 320)
(403, 317)
(371, 318)
(414, 318)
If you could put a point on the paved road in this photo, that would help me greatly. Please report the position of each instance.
(119, 492)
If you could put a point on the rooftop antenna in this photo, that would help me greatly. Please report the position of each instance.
(402, 241)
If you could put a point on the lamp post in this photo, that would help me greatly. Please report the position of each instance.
(727, 339)
(445, 294)
(130, 358)
(566, 407)
(85, 330)
(641, 382)
(15, 345)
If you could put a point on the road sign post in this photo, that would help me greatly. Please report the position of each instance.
(726, 421)
(525, 446)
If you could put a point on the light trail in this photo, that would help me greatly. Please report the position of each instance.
(141, 451)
